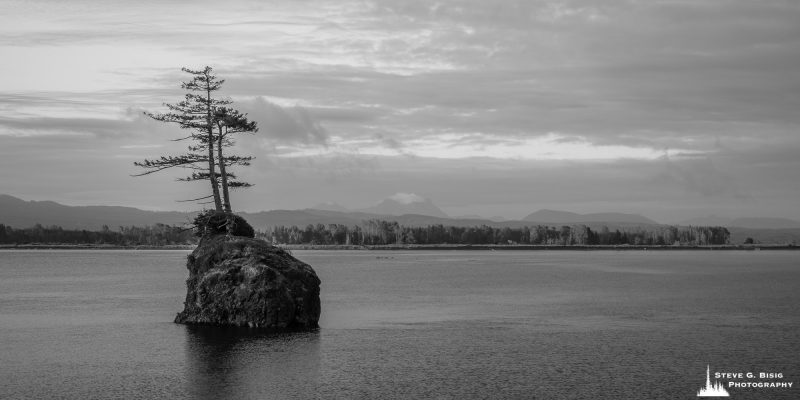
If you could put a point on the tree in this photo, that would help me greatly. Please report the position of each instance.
(196, 114)
(230, 121)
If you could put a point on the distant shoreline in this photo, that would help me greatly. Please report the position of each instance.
(55, 246)
(44, 246)
(540, 247)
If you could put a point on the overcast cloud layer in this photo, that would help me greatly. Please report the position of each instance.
(672, 109)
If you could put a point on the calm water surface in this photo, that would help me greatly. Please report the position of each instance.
(444, 324)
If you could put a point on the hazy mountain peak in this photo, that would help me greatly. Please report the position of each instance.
(495, 218)
(547, 215)
(407, 198)
(406, 203)
(330, 206)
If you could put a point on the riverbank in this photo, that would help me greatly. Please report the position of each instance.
(489, 247)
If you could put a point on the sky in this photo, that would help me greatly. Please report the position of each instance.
(672, 109)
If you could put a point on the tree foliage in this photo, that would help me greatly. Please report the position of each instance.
(210, 126)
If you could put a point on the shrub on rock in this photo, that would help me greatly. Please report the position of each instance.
(210, 223)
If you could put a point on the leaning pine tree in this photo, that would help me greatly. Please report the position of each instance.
(230, 122)
(200, 113)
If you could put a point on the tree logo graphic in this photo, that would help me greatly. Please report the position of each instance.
(712, 390)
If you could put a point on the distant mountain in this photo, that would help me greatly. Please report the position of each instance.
(495, 218)
(330, 206)
(750, 223)
(565, 217)
(765, 223)
(469, 216)
(19, 213)
(300, 218)
(406, 203)
(406, 209)
(711, 220)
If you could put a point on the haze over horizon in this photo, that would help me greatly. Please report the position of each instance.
(667, 109)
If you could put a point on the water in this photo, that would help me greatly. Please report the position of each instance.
(444, 324)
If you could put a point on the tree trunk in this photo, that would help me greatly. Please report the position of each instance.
(211, 170)
(212, 175)
(226, 199)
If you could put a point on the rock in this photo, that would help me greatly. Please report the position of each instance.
(242, 281)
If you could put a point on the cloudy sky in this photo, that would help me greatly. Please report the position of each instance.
(673, 109)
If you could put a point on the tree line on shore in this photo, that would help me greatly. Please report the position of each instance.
(380, 232)
(155, 235)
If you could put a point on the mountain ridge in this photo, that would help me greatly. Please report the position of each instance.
(555, 216)
(745, 222)
(20, 213)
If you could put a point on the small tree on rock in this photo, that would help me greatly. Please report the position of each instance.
(210, 124)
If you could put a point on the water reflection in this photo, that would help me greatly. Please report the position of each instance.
(245, 363)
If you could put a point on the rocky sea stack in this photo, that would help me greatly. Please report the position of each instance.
(241, 281)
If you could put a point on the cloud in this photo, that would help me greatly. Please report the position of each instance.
(698, 175)
(123, 126)
(499, 106)
(284, 124)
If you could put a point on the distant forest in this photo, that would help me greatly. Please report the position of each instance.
(156, 235)
(380, 232)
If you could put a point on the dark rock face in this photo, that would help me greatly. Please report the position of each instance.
(241, 281)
